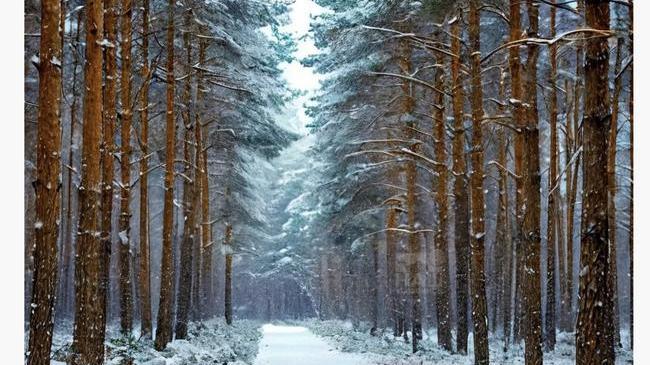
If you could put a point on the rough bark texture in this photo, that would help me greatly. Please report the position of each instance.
(551, 230)
(206, 234)
(47, 186)
(611, 199)
(631, 213)
(164, 322)
(185, 280)
(477, 239)
(108, 147)
(518, 112)
(227, 241)
(391, 252)
(126, 295)
(441, 239)
(66, 293)
(532, 183)
(89, 325)
(407, 118)
(461, 199)
(593, 331)
(144, 274)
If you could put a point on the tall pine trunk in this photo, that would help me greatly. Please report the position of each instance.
(532, 184)
(164, 322)
(47, 185)
(477, 239)
(594, 341)
(126, 295)
(185, 280)
(144, 274)
(461, 199)
(552, 227)
(611, 199)
(90, 322)
(441, 239)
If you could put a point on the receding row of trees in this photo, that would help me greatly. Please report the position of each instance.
(461, 129)
(192, 65)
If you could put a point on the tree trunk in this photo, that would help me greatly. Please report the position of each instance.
(47, 185)
(126, 295)
(206, 230)
(477, 240)
(532, 183)
(144, 276)
(108, 149)
(198, 189)
(164, 322)
(461, 199)
(516, 91)
(90, 322)
(374, 288)
(185, 280)
(228, 275)
(611, 203)
(441, 238)
(631, 208)
(66, 290)
(504, 239)
(593, 333)
(551, 230)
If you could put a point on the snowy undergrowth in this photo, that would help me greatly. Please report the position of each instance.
(213, 342)
(386, 349)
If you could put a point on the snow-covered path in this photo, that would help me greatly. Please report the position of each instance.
(284, 345)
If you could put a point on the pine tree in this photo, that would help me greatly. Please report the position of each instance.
(47, 185)
(477, 239)
(164, 322)
(594, 340)
(88, 340)
(126, 296)
(144, 274)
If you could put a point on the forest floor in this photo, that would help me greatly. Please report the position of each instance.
(306, 342)
(386, 349)
(212, 342)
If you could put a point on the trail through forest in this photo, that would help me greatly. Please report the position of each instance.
(282, 345)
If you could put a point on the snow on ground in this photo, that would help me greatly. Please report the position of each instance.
(213, 342)
(289, 345)
(386, 349)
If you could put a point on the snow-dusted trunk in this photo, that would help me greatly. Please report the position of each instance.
(164, 322)
(553, 194)
(392, 215)
(594, 340)
(126, 295)
(199, 227)
(631, 207)
(66, 290)
(89, 325)
(461, 198)
(108, 148)
(407, 109)
(518, 112)
(206, 226)
(227, 242)
(532, 206)
(611, 198)
(441, 238)
(477, 239)
(144, 277)
(185, 280)
(48, 194)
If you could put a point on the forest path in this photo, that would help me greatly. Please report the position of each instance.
(292, 345)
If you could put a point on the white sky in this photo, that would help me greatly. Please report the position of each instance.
(297, 76)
